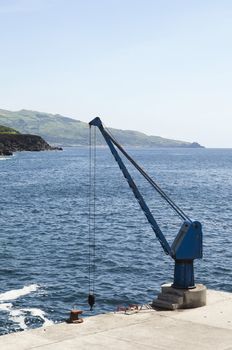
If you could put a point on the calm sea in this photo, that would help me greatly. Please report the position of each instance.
(44, 229)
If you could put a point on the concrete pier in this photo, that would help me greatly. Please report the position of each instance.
(208, 327)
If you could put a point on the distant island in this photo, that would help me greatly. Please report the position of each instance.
(64, 131)
(12, 141)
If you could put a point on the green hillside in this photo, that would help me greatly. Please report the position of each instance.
(65, 131)
(7, 130)
(53, 128)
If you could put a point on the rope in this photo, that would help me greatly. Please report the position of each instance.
(92, 216)
(94, 205)
(90, 211)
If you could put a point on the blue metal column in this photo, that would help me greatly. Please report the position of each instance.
(183, 274)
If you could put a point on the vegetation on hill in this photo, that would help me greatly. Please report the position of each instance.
(7, 130)
(60, 130)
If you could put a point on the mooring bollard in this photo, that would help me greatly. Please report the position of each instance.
(74, 316)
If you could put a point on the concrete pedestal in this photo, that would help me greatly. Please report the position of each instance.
(172, 298)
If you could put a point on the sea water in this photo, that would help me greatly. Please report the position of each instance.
(44, 229)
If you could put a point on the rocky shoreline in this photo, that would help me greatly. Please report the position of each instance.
(10, 143)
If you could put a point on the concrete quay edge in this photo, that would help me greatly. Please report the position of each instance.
(207, 327)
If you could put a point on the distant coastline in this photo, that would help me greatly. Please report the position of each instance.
(64, 131)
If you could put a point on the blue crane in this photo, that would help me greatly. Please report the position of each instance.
(187, 246)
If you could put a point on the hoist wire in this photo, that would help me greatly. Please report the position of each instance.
(173, 205)
(92, 209)
(94, 204)
(90, 192)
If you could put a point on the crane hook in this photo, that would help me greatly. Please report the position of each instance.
(91, 301)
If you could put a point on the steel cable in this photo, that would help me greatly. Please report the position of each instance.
(173, 205)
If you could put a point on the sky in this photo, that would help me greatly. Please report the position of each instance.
(162, 67)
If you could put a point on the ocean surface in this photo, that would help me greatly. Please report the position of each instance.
(44, 230)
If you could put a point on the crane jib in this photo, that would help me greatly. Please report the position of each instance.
(165, 245)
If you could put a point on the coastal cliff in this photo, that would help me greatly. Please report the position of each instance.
(10, 143)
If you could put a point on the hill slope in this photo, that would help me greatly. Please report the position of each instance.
(65, 131)
(7, 130)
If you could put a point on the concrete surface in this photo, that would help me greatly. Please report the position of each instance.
(208, 327)
(171, 298)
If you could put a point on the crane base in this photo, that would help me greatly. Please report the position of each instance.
(172, 298)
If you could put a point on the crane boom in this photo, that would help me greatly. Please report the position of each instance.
(166, 247)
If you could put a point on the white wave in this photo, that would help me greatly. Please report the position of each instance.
(17, 316)
(17, 293)
(5, 306)
(39, 313)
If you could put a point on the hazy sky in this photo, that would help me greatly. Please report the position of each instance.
(163, 67)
